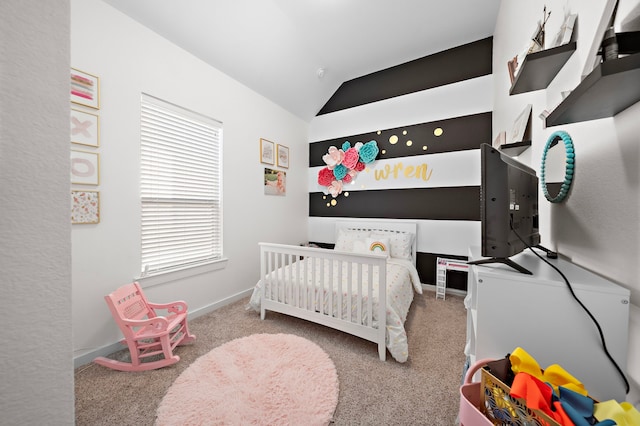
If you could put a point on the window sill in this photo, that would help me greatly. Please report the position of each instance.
(165, 277)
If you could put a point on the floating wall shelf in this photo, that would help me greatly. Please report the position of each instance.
(540, 68)
(610, 88)
(516, 148)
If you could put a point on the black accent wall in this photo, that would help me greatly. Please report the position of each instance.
(450, 66)
(425, 203)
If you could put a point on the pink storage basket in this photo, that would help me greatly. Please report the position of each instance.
(470, 401)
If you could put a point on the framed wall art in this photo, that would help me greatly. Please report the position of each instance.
(267, 151)
(85, 168)
(85, 89)
(275, 182)
(85, 128)
(283, 156)
(85, 207)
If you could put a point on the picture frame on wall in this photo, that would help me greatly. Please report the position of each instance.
(85, 89)
(267, 151)
(275, 182)
(85, 128)
(85, 207)
(282, 156)
(85, 168)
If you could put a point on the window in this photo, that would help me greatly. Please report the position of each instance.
(180, 184)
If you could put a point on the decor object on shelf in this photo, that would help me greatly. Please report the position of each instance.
(344, 164)
(521, 130)
(550, 168)
(282, 157)
(85, 207)
(593, 55)
(147, 332)
(265, 379)
(565, 33)
(538, 36)
(85, 89)
(500, 140)
(267, 151)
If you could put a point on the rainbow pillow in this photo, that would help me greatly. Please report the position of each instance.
(378, 245)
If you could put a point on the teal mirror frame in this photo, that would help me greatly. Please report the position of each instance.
(555, 138)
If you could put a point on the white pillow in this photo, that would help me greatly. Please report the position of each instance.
(401, 243)
(360, 246)
(378, 245)
(346, 238)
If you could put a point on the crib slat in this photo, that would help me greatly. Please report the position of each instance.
(338, 313)
(359, 293)
(349, 290)
(370, 296)
(329, 289)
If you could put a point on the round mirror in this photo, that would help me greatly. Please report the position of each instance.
(556, 170)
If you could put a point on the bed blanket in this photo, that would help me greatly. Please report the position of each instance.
(402, 282)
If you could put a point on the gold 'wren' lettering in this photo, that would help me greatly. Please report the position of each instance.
(394, 171)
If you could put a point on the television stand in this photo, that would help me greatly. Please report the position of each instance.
(504, 260)
(550, 254)
(514, 265)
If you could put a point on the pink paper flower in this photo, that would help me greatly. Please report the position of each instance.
(359, 166)
(334, 157)
(335, 188)
(350, 158)
(325, 177)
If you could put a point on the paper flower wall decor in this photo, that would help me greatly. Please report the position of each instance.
(344, 164)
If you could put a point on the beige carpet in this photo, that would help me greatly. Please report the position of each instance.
(422, 391)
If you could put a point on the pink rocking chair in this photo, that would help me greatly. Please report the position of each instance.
(145, 332)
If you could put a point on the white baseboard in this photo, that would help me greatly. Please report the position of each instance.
(432, 288)
(88, 357)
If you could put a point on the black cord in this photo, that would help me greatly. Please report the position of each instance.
(604, 345)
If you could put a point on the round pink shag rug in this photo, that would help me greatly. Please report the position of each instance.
(262, 379)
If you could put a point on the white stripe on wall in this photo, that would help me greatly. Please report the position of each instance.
(434, 236)
(446, 169)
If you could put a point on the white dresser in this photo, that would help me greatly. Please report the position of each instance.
(507, 309)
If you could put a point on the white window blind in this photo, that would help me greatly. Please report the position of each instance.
(180, 187)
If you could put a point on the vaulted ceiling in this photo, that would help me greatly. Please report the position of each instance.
(297, 53)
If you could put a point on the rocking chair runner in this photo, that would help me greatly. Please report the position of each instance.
(145, 332)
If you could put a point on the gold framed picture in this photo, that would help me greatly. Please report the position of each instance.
(85, 207)
(282, 156)
(85, 128)
(85, 89)
(267, 151)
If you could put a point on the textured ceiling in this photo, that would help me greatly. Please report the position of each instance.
(276, 47)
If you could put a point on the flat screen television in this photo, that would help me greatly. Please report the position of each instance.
(508, 208)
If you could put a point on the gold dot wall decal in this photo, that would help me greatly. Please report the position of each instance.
(404, 132)
(409, 143)
(334, 202)
(438, 131)
(424, 148)
(393, 139)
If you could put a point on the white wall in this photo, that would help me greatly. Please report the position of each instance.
(130, 59)
(597, 227)
(35, 244)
